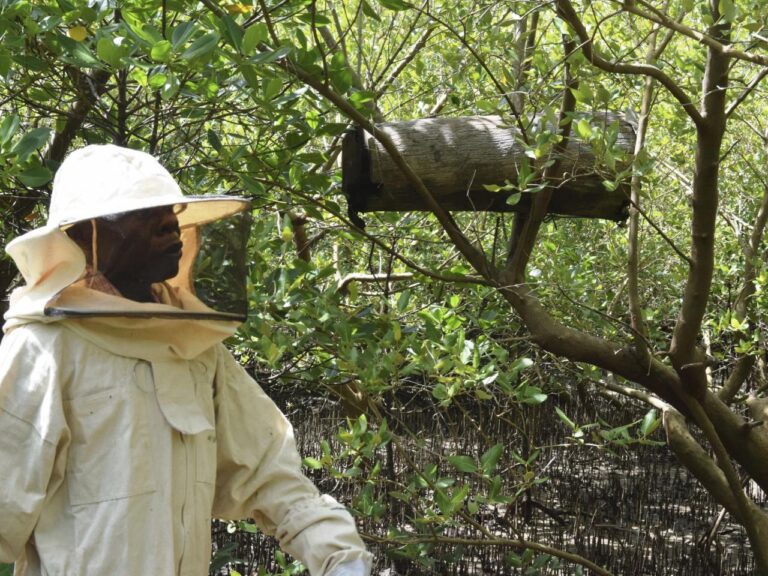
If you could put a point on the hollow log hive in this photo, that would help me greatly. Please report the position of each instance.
(457, 157)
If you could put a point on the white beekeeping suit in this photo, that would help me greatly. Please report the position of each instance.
(125, 425)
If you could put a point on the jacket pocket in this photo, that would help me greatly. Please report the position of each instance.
(109, 457)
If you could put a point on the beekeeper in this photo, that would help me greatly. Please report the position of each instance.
(125, 424)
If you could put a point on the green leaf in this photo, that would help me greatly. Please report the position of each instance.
(582, 94)
(272, 88)
(443, 503)
(402, 300)
(181, 33)
(5, 63)
(231, 31)
(157, 80)
(8, 128)
(316, 19)
(490, 458)
(737, 324)
(341, 77)
(31, 141)
(253, 36)
(248, 527)
(514, 199)
(440, 392)
(108, 51)
(583, 129)
(650, 422)
(32, 62)
(35, 176)
(312, 463)
(151, 34)
(568, 422)
(533, 395)
(214, 140)
(395, 4)
(6, 569)
(727, 9)
(170, 88)
(519, 365)
(81, 56)
(463, 463)
(161, 52)
(457, 500)
(369, 11)
(202, 46)
(271, 55)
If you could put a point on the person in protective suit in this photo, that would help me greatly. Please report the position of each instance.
(125, 424)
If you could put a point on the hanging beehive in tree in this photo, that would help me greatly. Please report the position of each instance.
(477, 163)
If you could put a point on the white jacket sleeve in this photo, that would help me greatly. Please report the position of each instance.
(259, 476)
(33, 438)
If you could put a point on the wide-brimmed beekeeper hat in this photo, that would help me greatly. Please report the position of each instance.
(102, 180)
(99, 181)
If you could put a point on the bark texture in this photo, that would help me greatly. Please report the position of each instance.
(457, 157)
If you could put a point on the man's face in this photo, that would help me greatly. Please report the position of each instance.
(142, 246)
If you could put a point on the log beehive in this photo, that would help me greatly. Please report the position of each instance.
(457, 157)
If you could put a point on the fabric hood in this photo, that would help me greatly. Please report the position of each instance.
(101, 181)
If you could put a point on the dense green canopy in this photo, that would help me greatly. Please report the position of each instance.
(474, 313)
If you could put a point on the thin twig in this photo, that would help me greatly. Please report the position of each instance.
(502, 542)
(666, 238)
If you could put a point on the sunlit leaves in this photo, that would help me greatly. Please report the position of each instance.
(8, 128)
(728, 10)
(253, 36)
(201, 47)
(30, 142)
(394, 4)
(111, 50)
(231, 31)
(161, 51)
(269, 56)
(463, 463)
(238, 8)
(78, 33)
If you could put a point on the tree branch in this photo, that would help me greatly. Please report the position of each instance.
(747, 91)
(698, 461)
(661, 233)
(752, 518)
(743, 366)
(559, 339)
(412, 53)
(527, 225)
(89, 88)
(654, 15)
(451, 278)
(343, 287)
(633, 253)
(566, 11)
(503, 542)
(685, 356)
(473, 254)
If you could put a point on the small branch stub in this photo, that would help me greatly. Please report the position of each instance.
(457, 158)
